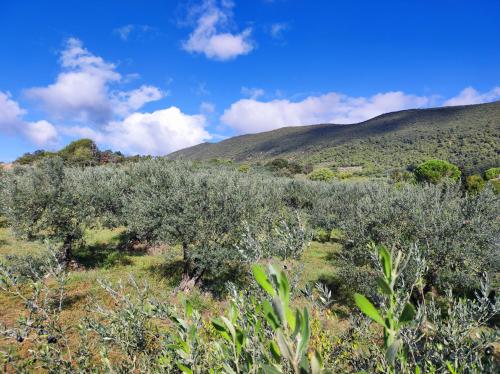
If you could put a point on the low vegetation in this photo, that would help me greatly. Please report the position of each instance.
(167, 266)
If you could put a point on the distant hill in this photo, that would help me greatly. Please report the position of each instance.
(468, 136)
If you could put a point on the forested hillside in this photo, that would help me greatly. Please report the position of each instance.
(467, 136)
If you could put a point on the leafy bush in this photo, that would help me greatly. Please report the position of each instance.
(278, 163)
(475, 183)
(244, 168)
(323, 174)
(492, 173)
(435, 171)
(321, 235)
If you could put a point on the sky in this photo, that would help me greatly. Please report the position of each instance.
(152, 77)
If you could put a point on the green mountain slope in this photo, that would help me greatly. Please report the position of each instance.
(468, 136)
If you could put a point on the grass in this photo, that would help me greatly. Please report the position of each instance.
(161, 272)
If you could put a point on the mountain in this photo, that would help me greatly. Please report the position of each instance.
(468, 136)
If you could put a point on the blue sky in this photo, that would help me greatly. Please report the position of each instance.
(152, 77)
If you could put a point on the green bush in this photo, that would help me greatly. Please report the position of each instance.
(435, 171)
(295, 168)
(244, 168)
(321, 235)
(116, 258)
(278, 163)
(474, 183)
(492, 173)
(496, 185)
(323, 174)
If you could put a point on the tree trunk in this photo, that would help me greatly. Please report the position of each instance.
(67, 250)
(185, 258)
(190, 277)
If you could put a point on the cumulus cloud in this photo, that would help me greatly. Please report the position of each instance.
(41, 133)
(10, 113)
(471, 96)
(250, 115)
(210, 36)
(130, 101)
(157, 133)
(82, 91)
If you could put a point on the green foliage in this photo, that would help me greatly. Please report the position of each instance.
(40, 202)
(396, 314)
(321, 235)
(260, 333)
(435, 171)
(492, 173)
(475, 183)
(83, 152)
(496, 185)
(291, 327)
(244, 168)
(449, 230)
(322, 174)
(278, 163)
(222, 219)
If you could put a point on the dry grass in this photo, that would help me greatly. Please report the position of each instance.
(160, 272)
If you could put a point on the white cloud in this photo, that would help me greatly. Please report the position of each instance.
(471, 96)
(10, 113)
(250, 115)
(126, 102)
(41, 133)
(157, 133)
(82, 92)
(252, 93)
(209, 39)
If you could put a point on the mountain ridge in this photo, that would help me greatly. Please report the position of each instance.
(390, 140)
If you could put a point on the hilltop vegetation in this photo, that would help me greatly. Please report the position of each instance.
(466, 136)
(83, 152)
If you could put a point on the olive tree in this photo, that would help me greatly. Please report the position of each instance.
(41, 203)
(458, 235)
(219, 217)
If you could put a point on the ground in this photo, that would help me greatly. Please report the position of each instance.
(101, 260)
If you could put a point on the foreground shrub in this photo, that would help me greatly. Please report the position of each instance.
(435, 171)
(260, 333)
